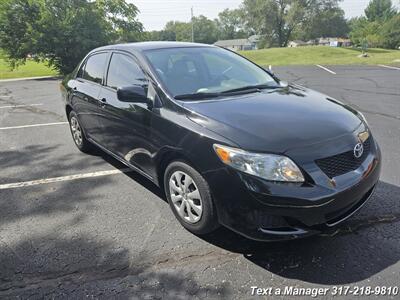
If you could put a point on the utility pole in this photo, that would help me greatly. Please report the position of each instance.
(192, 26)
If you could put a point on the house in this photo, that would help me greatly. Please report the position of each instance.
(340, 42)
(235, 45)
(254, 40)
(324, 41)
(334, 42)
(344, 42)
(296, 43)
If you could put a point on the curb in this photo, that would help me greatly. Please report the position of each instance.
(27, 78)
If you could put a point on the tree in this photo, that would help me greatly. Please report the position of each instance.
(61, 32)
(205, 30)
(327, 22)
(278, 20)
(363, 31)
(380, 27)
(380, 10)
(162, 35)
(391, 33)
(275, 19)
(230, 24)
(181, 30)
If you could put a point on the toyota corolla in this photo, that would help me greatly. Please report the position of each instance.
(228, 142)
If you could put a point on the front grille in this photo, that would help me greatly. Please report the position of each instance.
(343, 163)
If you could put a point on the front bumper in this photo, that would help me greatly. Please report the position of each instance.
(270, 211)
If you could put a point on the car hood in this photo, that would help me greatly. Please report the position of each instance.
(275, 120)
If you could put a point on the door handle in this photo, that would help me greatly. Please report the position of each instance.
(103, 102)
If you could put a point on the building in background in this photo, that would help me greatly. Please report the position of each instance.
(236, 45)
(297, 43)
(254, 40)
(334, 42)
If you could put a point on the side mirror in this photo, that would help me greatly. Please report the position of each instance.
(283, 84)
(132, 93)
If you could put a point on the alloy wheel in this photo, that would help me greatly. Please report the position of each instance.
(76, 131)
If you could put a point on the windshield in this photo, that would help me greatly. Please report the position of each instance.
(206, 70)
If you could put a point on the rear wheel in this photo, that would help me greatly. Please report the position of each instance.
(190, 198)
(78, 134)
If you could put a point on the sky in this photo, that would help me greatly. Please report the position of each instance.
(155, 13)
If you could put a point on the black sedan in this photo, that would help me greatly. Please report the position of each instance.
(227, 141)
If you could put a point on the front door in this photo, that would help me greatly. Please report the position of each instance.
(126, 126)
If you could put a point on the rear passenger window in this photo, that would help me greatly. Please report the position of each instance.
(124, 71)
(94, 67)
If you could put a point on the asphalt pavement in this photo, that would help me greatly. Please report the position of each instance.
(81, 226)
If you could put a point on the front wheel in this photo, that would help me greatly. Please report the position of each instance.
(190, 198)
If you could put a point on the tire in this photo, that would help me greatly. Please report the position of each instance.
(185, 203)
(78, 134)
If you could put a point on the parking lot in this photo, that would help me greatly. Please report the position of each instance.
(75, 225)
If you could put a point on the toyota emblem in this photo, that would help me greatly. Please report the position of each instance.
(358, 150)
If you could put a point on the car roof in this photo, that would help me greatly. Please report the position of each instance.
(143, 46)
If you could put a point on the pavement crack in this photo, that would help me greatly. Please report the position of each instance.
(76, 276)
(371, 92)
(33, 109)
(343, 98)
(80, 277)
(371, 80)
(192, 257)
(358, 225)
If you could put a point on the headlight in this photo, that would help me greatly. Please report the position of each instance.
(268, 166)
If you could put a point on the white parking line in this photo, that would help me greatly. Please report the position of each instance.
(25, 78)
(62, 178)
(389, 67)
(33, 125)
(326, 69)
(20, 105)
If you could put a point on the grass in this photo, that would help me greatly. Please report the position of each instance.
(274, 56)
(30, 69)
(321, 55)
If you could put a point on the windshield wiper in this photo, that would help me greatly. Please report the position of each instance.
(196, 96)
(251, 88)
(243, 89)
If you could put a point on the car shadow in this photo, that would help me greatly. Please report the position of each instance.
(361, 247)
(60, 259)
(52, 267)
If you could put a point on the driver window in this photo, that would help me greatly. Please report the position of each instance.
(124, 71)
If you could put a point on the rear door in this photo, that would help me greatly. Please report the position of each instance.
(86, 90)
